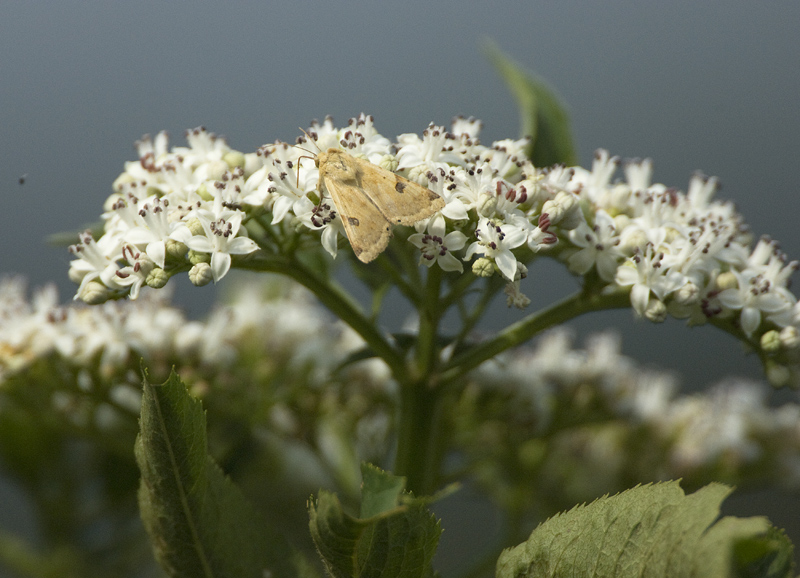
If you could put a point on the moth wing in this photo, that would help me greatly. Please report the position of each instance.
(364, 224)
(401, 201)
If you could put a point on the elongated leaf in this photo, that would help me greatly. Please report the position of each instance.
(200, 524)
(652, 530)
(543, 117)
(396, 536)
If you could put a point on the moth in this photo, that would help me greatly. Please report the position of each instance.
(371, 199)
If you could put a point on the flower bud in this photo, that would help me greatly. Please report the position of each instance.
(771, 342)
(234, 159)
(689, 294)
(388, 162)
(195, 227)
(727, 280)
(176, 249)
(564, 211)
(196, 257)
(95, 293)
(790, 337)
(419, 174)
(483, 267)
(201, 274)
(157, 278)
(202, 192)
(778, 375)
(655, 311)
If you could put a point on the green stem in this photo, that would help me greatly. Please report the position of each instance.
(340, 304)
(429, 316)
(533, 324)
(470, 320)
(399, 281)
(418, 453)
(418, 440)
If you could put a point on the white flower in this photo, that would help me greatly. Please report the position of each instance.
(471, 186)
(495, 241)
(153, 229)
(220, 240)
(135, 274)
(321, 217)
(433, 150)
(96, 260)
(506, 157)
(468, 127)
(204, 147)
(645, 274)
(436, 247)
(290, 179)
(754, 296)
(598, 247)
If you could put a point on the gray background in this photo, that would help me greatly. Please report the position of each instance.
(694, 85)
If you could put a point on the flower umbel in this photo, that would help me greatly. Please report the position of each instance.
(208, 206)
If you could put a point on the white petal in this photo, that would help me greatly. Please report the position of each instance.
(640, 295)
(507, 264)
(199, 243)
(731, 298)
(220, 265)
(581, 261)
(157, 251)
(450, 263)
(241, 246)
(751, 319)
(455, 240)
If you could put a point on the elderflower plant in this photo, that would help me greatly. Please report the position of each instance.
(277, 397)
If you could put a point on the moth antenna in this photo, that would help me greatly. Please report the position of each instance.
(310, 139)
(314, 156)
(297, 185)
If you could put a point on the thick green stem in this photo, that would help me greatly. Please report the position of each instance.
(535, 323)
(418, 450)
(429, 316)
(418, 439)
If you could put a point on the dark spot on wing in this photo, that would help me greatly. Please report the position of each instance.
(353, 221)
(399, 186)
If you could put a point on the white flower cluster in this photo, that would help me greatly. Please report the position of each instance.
(281, 327)
(109, 339)
(682, 254)
(731, 428)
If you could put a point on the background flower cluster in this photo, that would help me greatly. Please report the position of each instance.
(272, 360)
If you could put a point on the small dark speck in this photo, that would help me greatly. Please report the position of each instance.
(22, 179)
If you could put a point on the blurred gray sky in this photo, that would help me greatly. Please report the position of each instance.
(708, 86)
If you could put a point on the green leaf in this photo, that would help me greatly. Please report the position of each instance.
(544, 119)
(652, 530)
(200, 524)
(395, 537)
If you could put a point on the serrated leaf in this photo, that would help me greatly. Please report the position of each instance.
(652, 530)
(380, 491)
(543, 117)
(200, 524)
(395, 537)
